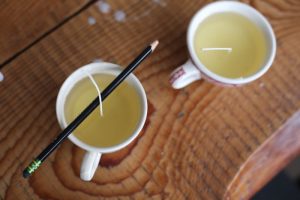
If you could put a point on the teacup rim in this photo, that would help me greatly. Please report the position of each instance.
(100, 67)
(234, 81)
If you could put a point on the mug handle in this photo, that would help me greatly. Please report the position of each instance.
(89, 165)
(184, 75)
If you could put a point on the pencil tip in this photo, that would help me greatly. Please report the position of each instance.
(154, 44)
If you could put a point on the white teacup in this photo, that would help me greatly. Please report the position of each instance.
(92, 156)
(194, 70)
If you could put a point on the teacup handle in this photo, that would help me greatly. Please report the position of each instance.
(89, 165)
(184, 75)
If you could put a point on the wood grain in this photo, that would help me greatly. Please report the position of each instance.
(275, 153)
(24, 21)
(196, 139)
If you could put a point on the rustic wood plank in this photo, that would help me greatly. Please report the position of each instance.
(195, 139)
(275, 153)
(24, 21)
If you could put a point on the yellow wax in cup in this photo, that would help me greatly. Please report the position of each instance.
(230, 45)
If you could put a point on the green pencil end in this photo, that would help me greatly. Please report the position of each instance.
(31, 168)
(26, 174)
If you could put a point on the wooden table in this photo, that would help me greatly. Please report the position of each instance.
(201, 142)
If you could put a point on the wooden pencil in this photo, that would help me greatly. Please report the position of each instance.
(85, 113)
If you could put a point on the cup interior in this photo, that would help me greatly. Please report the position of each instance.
(99, 68)
(246, 11)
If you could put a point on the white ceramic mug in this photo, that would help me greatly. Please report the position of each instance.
(194, 70)
(93, 154)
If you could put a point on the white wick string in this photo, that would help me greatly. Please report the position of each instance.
(217, 49)
(98, 90)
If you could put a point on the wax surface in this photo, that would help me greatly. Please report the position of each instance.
(230, 30)
(121, 112)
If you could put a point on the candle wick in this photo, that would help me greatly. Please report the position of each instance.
(97, 89)
(229, 50)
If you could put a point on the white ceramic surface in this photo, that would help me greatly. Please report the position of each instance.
(92, 157)
(194, 70)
